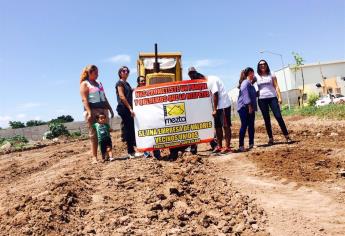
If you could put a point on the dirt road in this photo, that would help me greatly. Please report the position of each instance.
(279, 190)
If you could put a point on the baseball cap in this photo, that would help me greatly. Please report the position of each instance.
(190, 69)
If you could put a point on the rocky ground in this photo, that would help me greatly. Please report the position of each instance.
(295, 189)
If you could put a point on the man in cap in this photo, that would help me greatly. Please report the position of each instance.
(221, 109)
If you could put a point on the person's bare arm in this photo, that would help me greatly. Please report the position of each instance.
(215, 103)
(84, 93)
(275, 84)
(123, 98)
(109, 107)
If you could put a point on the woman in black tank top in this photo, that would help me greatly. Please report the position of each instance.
(125, 109)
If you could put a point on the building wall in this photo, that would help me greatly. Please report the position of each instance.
(312, 75)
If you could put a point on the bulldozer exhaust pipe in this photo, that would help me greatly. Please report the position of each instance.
(156, 64)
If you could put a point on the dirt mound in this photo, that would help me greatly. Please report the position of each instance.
(58, 191)
(316, 155)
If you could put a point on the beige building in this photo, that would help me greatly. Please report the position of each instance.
(319, 78)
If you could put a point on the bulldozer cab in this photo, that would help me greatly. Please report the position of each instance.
(160, 67)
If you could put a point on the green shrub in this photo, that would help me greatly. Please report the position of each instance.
(31, 123)
(2, 140)
(62, 119)
(16, 124)
(312, 98)
(57, 129)
(18, 139)
(285, 107)
(76, 134)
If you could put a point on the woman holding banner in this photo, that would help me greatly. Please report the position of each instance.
(125, 110)
(141, 80)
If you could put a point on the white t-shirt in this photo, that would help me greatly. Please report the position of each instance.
(266, 87)
(216, 85)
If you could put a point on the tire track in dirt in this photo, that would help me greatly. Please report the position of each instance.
(292, 208)
(15, 166)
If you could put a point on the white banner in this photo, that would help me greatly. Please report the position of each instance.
(172, 114)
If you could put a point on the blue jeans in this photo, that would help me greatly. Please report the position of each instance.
(247, 121)
(265, 105)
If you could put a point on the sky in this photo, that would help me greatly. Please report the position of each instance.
(44, 45)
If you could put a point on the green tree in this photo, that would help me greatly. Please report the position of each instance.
(57, 129)
(62, 119)
(31, 123)
(298, 66)
(16, 124)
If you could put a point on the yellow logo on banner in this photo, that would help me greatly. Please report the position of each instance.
(174, 113)
(175, 109)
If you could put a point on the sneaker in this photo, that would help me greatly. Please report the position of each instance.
(131, 155)
(251, 146)
(270, 142)
(288, 140)
(194, 150)
(241, 149)
(217, 149)
(147, 154)
(225, 150)
(111, 159)
(138, 154)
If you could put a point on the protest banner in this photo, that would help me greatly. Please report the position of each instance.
(172, 114)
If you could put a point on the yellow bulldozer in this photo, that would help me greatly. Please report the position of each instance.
(160, 67)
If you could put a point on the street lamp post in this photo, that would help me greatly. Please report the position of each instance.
(281, 57)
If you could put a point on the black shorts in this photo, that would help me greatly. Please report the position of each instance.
(223, 118)
(104, 144)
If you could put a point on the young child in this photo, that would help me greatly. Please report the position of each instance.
(103, 134)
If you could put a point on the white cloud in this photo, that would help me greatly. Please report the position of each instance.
(206, 63)
(4, 121)
(203, 63)
(119, 59)
(29, 105)
(21, 116)
(60, 111)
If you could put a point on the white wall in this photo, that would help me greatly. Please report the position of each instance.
(312, 74)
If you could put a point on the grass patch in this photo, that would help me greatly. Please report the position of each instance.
(16, 141)
(332, 111)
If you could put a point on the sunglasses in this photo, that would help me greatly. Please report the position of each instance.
(142, 81)
(262, 64)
